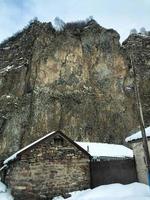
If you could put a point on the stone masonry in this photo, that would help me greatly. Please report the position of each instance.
(50, 168)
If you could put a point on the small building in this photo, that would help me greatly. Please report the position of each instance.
(110, 163)
(55, 165)
(48, 167)
(136, 141)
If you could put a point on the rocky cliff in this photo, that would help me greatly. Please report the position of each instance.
(78, 80)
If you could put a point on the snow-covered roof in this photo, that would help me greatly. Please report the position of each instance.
(138, 135)
(106, 150)
(12, 157)
(93, 149)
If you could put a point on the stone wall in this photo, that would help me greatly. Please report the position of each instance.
(50, 168)
(140, 161)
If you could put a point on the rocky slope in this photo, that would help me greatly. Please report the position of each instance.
(78, 80)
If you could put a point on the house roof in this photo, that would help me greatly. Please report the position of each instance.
(89, 148)
(106, 150)
(138, 135)
(14, 156)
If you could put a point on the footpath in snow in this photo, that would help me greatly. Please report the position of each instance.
(133, 191)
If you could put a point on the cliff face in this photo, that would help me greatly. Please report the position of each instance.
(137, 48)
(78, 80)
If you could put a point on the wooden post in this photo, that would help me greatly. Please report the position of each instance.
(141, 119)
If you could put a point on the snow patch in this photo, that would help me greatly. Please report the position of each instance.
(6, 48)
(138, 135)
(106, 150)
(2, 187)
(3, 167)
(19, 67)
(9, 67)
(6, 69)
(21, 58)
(116, 191)
(5, 193)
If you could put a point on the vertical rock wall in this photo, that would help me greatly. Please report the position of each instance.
(77, 80)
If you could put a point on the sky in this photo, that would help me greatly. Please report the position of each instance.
(121, 15)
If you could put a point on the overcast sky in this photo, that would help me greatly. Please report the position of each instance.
(121, 15)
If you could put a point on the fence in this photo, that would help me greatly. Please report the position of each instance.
(112, 171)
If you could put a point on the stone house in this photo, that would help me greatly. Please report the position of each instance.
(136, 142)
(55, 165)
(48, 167)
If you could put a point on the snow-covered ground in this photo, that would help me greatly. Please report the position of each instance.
(133, 191)
(5, 193)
